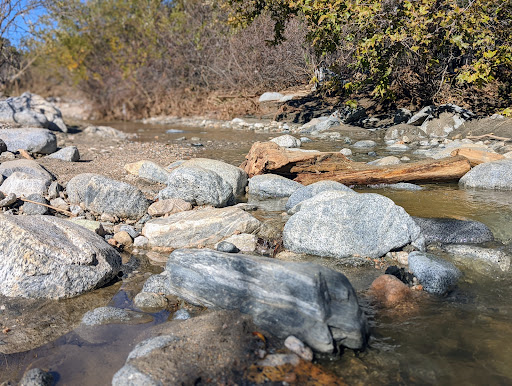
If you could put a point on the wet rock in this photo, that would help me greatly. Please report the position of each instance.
(103, 195)
(397, 147)
(31, 110)
(181, 314)
(400, 273)
(106, 132)
(233, 175)
(198, 186)
(227, 247)
(389, 291)
(452, 231)
(69, 154)
(213, 348)
(367, 225)
(148, 171)
(110, 315)
(23, 184)
(34, 209)
(306, 192)
(150, 300)
(489, 175)
(311, 302)
(49, 257)
(397, 186)
(437, 276)
(298, 347)
(493, 257)
(30, 139)
(272, 186)
(245, 242)
(365, 144)
(36, 377)
(169, 206)
(386, 161)
(287, 140)
(199, 227)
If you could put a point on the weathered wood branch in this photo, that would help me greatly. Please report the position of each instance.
(310, 167)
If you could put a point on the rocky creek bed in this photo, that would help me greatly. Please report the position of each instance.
(153, 259)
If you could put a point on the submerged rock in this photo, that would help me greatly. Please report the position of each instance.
(346, 224)
(49, 257)
(30, 139)
(453, 231)
(489, 175)
(198, 186)
(496, 258)
(36, 377)
(437, 276)
(272, 186)
(108, 315)
(311, 302)
(389, 291)
(199, 227)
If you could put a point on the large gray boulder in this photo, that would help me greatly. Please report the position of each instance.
(233, 175)
(25, 166)
(30, 139)
(199, 227)
(31, 110)
(272, 186)
(198, 186)
(453, 231)
(489, 175)
(342, 224)
(437, 276)
(104, 195)
(311, 302)
(306, 192)
(49, 257)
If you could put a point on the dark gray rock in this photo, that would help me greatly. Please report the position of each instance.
(233, 175)
(3, 146)
(36, 377)
(49, 257)
(311, 302)
(25, 166)
(437, 276)
(227, 247)
(198, 186)
(130, 230)
(272, 186)
(103, 195)
(34, 209)
(109, 315)
(489, 175)
(30, 139)
(343, 224)
(452, 231)
(69, 154)
(306, 192)
(31, 110)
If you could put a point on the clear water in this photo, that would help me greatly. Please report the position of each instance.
(464, 338)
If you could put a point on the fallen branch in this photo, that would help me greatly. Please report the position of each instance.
(489, 136)
(49, 206)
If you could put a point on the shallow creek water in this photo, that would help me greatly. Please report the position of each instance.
(464, 338)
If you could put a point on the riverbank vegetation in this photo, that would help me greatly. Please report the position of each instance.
(141, 58)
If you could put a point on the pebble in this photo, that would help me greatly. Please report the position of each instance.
(227, 247)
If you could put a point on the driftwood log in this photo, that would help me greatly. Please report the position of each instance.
(310, 167)
(477, 157)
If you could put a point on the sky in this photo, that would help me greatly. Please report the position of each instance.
(21, 25)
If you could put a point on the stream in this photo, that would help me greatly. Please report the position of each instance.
(463, 338)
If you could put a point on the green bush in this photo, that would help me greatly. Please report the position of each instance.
(402, 47)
